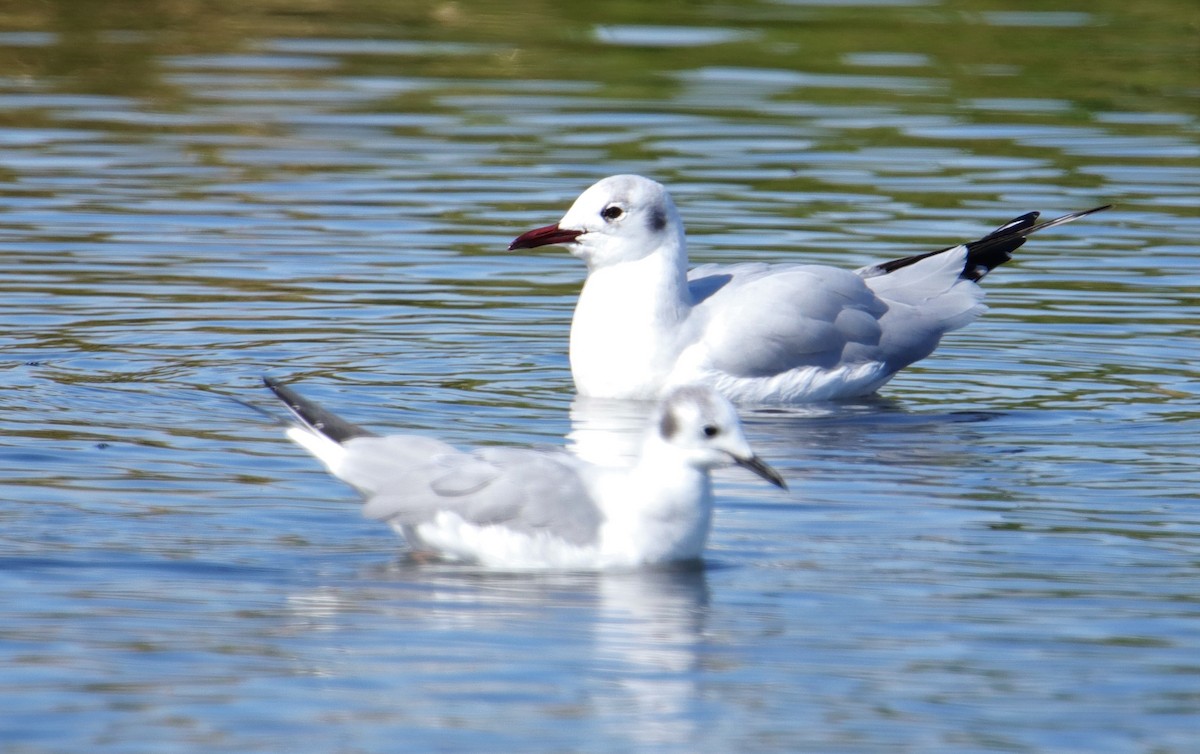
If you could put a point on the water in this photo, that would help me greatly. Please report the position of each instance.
(1000, 554)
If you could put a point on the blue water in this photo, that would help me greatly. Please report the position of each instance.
(998, 554)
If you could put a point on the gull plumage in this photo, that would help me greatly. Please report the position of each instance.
(523, 508)
(758, 333)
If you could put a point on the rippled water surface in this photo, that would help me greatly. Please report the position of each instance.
(999, 554)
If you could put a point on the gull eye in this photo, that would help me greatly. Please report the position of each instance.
(711, 430)
(611, 212)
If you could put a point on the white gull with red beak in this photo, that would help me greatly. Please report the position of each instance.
(758, 333)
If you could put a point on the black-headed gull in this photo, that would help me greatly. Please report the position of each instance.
(523, 508)
(758, 333)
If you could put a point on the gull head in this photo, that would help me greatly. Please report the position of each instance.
(621, 218)
(704, 427)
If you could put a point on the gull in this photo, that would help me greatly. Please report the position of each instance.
(756, 332)
(521, 508)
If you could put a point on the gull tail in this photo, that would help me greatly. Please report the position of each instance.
(317, 430)
(992, 250)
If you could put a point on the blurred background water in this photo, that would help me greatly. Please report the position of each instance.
(1000, 554)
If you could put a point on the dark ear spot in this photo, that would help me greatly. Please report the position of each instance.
(658, 219)
(668, 427)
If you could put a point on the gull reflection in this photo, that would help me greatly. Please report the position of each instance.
(498, 651)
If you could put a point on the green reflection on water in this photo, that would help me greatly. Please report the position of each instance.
(1098, 55)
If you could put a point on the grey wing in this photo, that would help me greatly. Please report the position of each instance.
(758, 320)
(523, 490)
(926, 299)
(371, 463)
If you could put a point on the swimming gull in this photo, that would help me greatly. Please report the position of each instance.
(523, 508)
(758, 333)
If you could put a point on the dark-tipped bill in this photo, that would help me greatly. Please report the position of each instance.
(547, 236)
(760, 467)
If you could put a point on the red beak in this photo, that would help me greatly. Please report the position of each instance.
(547, 236)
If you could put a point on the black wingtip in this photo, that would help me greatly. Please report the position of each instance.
(313, 416)
(997, 247)
(994, 249)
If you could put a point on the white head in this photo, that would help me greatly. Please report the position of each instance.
(702, 425)
(621, 218)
